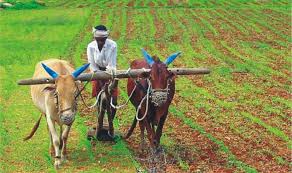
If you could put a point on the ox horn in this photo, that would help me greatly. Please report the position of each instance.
(51, 72)
(171, 58)
(81, 69)
(147, 57)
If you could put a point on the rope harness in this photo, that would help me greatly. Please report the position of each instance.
(58, 106)
(147, 102)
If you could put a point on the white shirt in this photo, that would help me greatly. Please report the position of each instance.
(107, 57)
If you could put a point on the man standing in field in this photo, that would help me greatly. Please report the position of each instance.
(102, 55)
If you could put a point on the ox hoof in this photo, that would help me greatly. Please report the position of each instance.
(57, 164)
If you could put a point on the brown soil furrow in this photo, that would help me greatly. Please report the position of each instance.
(223, 35)
(234, 20)
(161, 30)
(195, 148)
(267, 97)
(234, 37)
(221, 21)
(243, 14)
(252, 148)
(130, 25)
(194, 40)
(283, 26)
(274, 16)
(230, 39)
(282, 12)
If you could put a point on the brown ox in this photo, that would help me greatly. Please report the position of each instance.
(56, 101)
(160, 87)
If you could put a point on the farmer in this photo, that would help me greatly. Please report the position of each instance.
(102, 55)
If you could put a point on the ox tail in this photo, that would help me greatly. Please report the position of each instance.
(34, 129)
(130, 131)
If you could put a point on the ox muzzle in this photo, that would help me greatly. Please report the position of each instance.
(67, 119)
(159, 96)
(67, 116)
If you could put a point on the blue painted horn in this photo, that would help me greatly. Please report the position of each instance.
(171, 58)
(81, 69)
(147, 57)
(51, 72)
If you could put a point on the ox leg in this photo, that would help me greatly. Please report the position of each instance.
(65, 135)
(51, 147)
(142, 136)
(150, 133)
(61, 140)
(56, 141)
(159, 129)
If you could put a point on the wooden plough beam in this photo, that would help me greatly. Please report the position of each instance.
(133, 73)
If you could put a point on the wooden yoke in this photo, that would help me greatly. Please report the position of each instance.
(134, 73)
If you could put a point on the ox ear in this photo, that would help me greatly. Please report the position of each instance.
(171, 58)
(51, 72)
(81, 69)
(49, 89)
(147, 57)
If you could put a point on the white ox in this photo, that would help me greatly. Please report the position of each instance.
(56, 101)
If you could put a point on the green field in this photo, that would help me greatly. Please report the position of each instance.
(237, 119)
